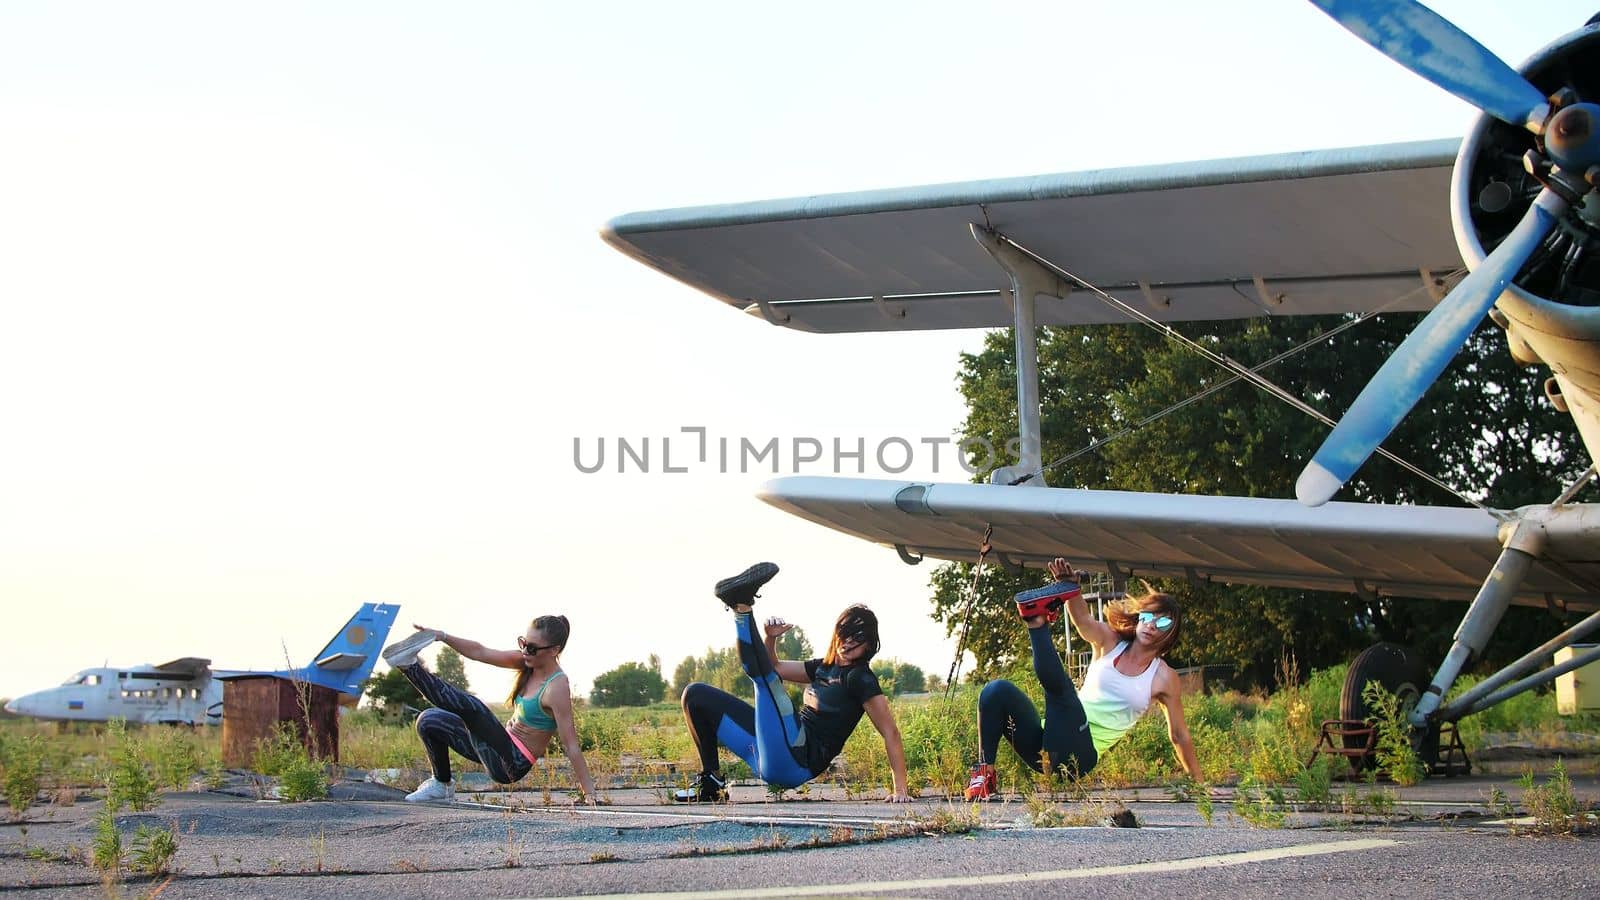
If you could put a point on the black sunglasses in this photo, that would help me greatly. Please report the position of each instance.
(530, 649)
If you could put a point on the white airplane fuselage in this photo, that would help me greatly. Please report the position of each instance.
(136, 694)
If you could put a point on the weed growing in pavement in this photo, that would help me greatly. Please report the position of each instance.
(305, 779)
(1313, 784)
(22, 760)
(1198, 793)
(1202, 805)
(1378, 799)
(1260, 806)
(173, 756)
(319, 850)
(514, 847)
(1555, 809)
(282, 755)
(107, 845)
(128, 781)
(153, 849)
(1043, 813)
(1396, 756)
(1498, 802)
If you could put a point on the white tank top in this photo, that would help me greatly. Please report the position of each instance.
(1112, 701)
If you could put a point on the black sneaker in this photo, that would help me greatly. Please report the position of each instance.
(741, 588)
(707, 787)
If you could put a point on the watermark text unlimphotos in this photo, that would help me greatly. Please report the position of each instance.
(694, 448)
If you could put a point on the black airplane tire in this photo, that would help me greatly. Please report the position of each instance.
(1402, 673)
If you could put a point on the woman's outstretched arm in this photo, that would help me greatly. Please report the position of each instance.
(788, 669)
(883, 719)
(505, 659)
(558, 699)
(1093, 630)
(1168, 690)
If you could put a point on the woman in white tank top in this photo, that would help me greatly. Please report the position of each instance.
(1127, 673)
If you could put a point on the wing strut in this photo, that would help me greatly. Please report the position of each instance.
(1029, 280)
(1525, 543)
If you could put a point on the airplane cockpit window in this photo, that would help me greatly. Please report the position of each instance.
(92, 679)
(80, 678)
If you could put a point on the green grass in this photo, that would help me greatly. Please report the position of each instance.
(1264, 740)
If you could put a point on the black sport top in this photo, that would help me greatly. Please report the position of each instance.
(835, 700)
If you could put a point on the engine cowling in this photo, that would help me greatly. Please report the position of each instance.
(1553, 305)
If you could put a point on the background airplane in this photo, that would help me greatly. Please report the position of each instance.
(1338, 231)
(188, 691)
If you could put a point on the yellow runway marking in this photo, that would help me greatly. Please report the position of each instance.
(929, 884)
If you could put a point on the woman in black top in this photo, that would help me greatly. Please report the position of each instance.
(782, 747)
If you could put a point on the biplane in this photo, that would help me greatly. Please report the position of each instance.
(1348, 231)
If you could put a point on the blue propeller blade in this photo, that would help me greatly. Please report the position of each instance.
(1421, 40)
(1419, 359)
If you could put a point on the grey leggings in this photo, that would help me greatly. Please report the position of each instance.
(461, 722)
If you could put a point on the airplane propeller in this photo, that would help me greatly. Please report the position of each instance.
(1428, 44)
(1419, 39)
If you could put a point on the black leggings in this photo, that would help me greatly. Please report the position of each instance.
(1062, 741)
(461, 722)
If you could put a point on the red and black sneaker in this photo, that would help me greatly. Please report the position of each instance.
(1047, 601)
(983, 785)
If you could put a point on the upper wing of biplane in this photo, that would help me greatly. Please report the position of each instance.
(1307, 233)
(1292, 234)
(1407, 551)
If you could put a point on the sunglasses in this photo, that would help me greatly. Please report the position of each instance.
(1162, 622)
(529, 649)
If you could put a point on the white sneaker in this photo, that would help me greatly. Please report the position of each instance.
(432, 789)
(404, 653)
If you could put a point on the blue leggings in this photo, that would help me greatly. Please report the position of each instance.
(461, 722)
(769, 736)
(1062, 741)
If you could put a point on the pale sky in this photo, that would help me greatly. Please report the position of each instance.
(303, 305)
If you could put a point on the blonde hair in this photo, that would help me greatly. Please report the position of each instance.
(1124, 617)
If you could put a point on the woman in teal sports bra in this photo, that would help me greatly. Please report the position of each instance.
(541, 708)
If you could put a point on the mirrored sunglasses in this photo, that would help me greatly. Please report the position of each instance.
(1162, 622)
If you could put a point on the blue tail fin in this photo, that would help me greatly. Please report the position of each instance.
(349, 657)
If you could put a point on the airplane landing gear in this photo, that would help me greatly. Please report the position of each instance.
(1402, 673)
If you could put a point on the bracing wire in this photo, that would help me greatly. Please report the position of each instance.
(1238, 370)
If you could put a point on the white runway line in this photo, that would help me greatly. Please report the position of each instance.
(930, 884)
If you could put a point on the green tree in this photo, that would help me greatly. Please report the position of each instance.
(897, 677)
(451, 669)
(718, 668)
(793, 644)
(630, 684)
(391, 692)
(1484, 426)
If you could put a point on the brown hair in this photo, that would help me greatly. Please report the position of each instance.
(1124, 617)
(556, 629)
(858, 622)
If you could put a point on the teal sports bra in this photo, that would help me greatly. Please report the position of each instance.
(531, 714)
